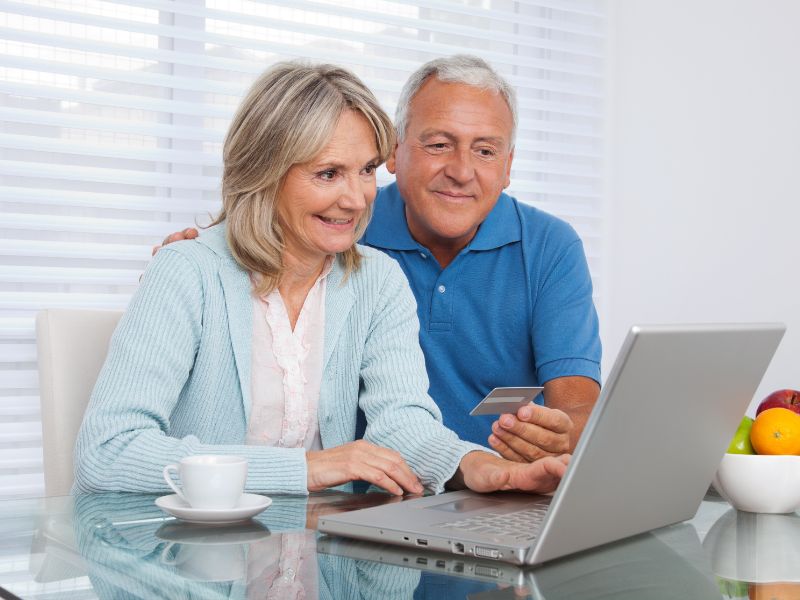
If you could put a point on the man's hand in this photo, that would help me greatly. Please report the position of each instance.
(484, 472)
(187, 234)
(538, 431)
(535, 432)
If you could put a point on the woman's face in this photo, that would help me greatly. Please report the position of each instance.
(322, 201)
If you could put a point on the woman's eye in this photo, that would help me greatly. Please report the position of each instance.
(369, 169)
(327, 175)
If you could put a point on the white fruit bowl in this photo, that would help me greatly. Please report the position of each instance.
(760, 483)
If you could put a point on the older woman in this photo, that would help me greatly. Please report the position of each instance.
(263, 336)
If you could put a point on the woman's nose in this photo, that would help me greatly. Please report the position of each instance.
(354, 194)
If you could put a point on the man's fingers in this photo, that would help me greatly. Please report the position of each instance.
(529, 450)
(172, 237)
(505, 450)
(548, 418)
(177, 236)
(530, 441)
(187, 234)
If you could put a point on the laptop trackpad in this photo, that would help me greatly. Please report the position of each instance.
(467, 505)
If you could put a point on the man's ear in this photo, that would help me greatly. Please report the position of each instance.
(391, 162)
(508, 169)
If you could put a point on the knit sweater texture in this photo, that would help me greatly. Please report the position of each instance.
(176, 381)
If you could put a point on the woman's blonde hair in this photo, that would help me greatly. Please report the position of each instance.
(287, 118)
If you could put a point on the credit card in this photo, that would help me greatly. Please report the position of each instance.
(504, 400)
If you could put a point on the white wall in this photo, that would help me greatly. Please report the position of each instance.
(704, 195)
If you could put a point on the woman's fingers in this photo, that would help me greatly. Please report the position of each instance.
(379, 478)
(394, 467)
(361, 460)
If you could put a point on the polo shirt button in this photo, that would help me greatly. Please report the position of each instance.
(423, 255)
(442, 289)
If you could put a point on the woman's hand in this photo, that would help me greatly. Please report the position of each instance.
(484, 472)
(361, 460)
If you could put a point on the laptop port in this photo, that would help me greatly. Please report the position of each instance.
(422, 561)
(458, 548)
(484, 552)
(422, 542)
(458, 567)
(440, 564)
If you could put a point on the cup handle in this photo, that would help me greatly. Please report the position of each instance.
(171, 483)
(165, 559)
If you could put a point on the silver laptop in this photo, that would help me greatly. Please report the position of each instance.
(665, 417)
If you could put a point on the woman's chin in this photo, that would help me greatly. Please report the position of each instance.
(335, 246)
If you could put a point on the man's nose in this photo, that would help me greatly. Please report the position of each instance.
(459, 167)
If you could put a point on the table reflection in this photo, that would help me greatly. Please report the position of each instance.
(133, 551)
(756, 555)
(665, 564)
(123, 546)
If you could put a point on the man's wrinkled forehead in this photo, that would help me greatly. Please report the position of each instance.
(481, 103)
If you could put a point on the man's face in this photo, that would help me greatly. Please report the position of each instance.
(453, 162)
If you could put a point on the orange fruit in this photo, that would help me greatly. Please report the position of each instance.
(774, 591)
(776, 431)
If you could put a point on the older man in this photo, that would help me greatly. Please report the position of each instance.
(503, 290)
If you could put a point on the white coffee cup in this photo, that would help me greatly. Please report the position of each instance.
(209, 481)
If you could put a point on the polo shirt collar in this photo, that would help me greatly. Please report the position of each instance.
(500, 227)
(388, 228)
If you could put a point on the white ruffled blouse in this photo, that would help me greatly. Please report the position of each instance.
(287, 370)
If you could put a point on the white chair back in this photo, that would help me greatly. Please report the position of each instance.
(71, 348)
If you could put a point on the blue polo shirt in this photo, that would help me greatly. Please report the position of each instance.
(514, 308)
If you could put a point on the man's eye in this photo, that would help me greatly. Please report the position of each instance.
(486, 152)
(438, 146)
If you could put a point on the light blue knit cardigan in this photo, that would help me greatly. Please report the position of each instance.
(176, 381)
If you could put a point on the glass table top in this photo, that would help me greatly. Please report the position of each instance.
(124, 546)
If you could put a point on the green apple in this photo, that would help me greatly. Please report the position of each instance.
(740, 444)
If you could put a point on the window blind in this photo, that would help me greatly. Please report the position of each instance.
(112, 116)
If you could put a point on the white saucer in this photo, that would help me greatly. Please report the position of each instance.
(249, 506)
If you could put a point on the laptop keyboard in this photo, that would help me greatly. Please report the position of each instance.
(522, 525)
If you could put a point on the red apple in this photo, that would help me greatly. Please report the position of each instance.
(781, 399)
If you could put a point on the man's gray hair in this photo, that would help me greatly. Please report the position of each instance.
(459, 68)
